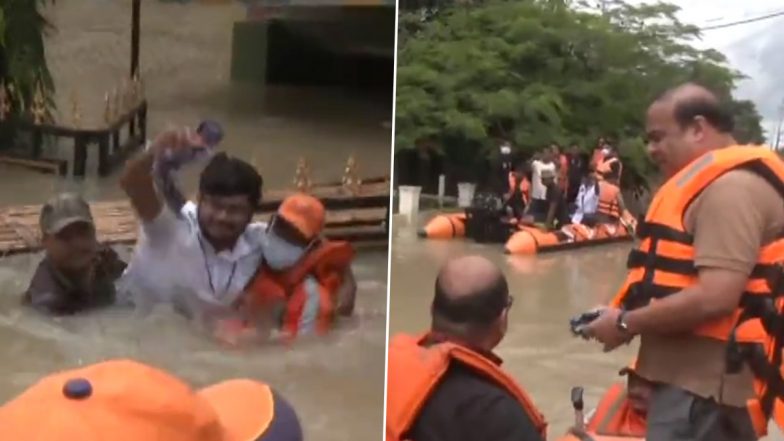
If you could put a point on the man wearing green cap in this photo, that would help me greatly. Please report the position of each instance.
(76, 272)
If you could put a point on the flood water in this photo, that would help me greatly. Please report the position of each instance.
(538, 350)
(336, 384)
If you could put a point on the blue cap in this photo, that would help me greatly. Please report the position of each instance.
(211, 132)
(78, 389)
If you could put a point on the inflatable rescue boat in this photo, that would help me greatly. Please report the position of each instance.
(605, 422)
(531, 240)
(527, 240)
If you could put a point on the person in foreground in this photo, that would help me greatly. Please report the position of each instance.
(448, 384)
(124, 400)
(76, 273)
(203, 257)
(305, 280)
(709, 239)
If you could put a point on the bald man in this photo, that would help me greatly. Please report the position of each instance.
(714, 221)
(448, 383)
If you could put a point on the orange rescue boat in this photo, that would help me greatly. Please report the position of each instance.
(612, 420)
(445, 226)
(531, 240)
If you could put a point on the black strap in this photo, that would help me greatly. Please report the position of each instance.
(767, 370)
(638, 258)
(651, 229)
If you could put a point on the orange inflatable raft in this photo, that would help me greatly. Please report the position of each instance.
(445, 226)
(607, 423)
(531, 240)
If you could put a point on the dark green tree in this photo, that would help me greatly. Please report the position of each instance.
(537, 71)
(23, 65)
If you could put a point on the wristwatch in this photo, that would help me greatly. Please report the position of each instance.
(621, 323)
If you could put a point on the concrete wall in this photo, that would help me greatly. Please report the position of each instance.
(317, 45)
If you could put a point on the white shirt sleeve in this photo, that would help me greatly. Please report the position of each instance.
(165, 228)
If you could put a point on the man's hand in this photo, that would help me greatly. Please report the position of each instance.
(605, 329)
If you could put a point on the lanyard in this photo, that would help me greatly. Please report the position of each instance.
(209, 274)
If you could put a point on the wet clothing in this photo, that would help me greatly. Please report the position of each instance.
(677, 415)
(303, 299)
(174, 262)
(54, 293)
(465, 406)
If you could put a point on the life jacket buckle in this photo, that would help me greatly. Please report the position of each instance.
(736, 354)
(775, 279)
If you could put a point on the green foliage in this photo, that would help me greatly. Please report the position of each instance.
(537, 71)
(22, 55)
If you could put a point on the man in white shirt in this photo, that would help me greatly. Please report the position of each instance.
(541, 163)
(587, 202)
(203, 258)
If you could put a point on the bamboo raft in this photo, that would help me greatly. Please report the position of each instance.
(358, 214)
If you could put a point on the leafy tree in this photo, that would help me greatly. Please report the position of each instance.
(22, 56)
(537, 71)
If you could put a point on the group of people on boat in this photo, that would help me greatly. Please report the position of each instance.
(556, 188)
(703, 292)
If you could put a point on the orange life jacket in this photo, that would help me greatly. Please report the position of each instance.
(524, 186)
(614, 415)
(663, 264)
(608, 200)
(327, 263)
(415, 370)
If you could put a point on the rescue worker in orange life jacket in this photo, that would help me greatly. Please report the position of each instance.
(304, 281)
(710, 236)
(448, 384)
(611, 204)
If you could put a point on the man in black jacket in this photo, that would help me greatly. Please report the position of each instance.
(470, 309)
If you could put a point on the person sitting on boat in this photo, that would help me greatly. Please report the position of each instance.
(202, 258)
(623, 409)
(587, 202)
(305, 280)
(448, 384)
(611, 205)
(76, 273)
(124, 400)
(518, 196)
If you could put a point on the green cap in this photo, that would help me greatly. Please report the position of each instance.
(63, 210)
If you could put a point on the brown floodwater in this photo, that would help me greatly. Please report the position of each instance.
(336, 384)
(538, 350)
